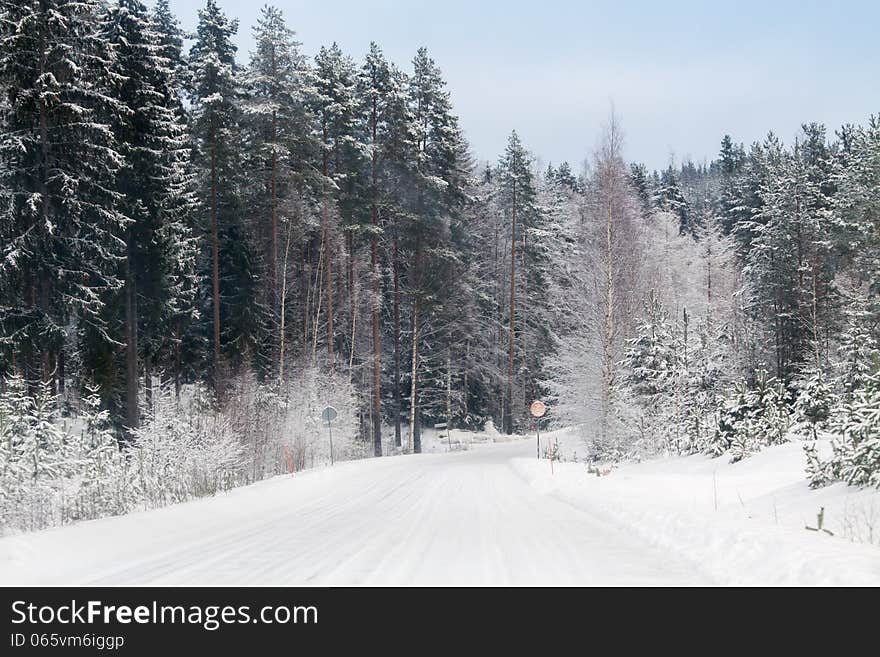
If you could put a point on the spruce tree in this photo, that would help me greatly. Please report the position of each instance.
(669, 196)
(170, 47)
(638, 175)
(61, 226)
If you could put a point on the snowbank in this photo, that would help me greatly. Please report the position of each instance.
(741, 523)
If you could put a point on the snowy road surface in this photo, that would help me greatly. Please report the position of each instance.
(459, 518)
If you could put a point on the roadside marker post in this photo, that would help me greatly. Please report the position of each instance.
(328, 415)
(289, 459)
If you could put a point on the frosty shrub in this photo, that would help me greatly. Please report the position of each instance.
(191, 448)
(185, 449)
(105, 484)
(280, 427)
(50, 475)
(55, 470)
(300, 428)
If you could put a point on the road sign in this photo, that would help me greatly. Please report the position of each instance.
(537, 409)
(328, 415)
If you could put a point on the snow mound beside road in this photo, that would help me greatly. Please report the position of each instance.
(741, 523)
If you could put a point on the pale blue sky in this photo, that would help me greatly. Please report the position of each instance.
(680, 74)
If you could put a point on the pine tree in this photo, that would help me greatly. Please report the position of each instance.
(237, 317)
(440, 173)
(341, 135)
(280, 145)
(392, 153)
(517, 198)
(15, 409)
(651, 364)
(789, 261)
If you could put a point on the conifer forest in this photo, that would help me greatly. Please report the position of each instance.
(202, 248)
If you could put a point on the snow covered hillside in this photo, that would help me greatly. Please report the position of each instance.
(491, 514)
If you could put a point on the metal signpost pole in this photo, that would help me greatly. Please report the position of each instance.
(538, 436)
(330, 429)
(328, 415)
(537, 409)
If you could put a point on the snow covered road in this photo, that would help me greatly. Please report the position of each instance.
(459, 518)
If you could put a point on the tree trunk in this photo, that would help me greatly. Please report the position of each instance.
(46, 308)
(60, 373)
(44, 205)
(415, 441)
(148, 384)
(215, 244)
(283, 306)
(131, 341)
(273, 238)
(328, 271)
(397, 401)
(607, 354)
(177, 361)
(354, 294)
(377, 393)
(449, 396)
(304, 285)
(328, 277)
(377, 396)
(508, 420)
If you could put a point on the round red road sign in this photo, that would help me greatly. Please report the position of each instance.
(537, 409)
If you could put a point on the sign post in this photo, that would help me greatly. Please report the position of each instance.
(328, 415)
(537, 409)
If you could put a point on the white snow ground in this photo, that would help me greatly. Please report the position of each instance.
(491, 515)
